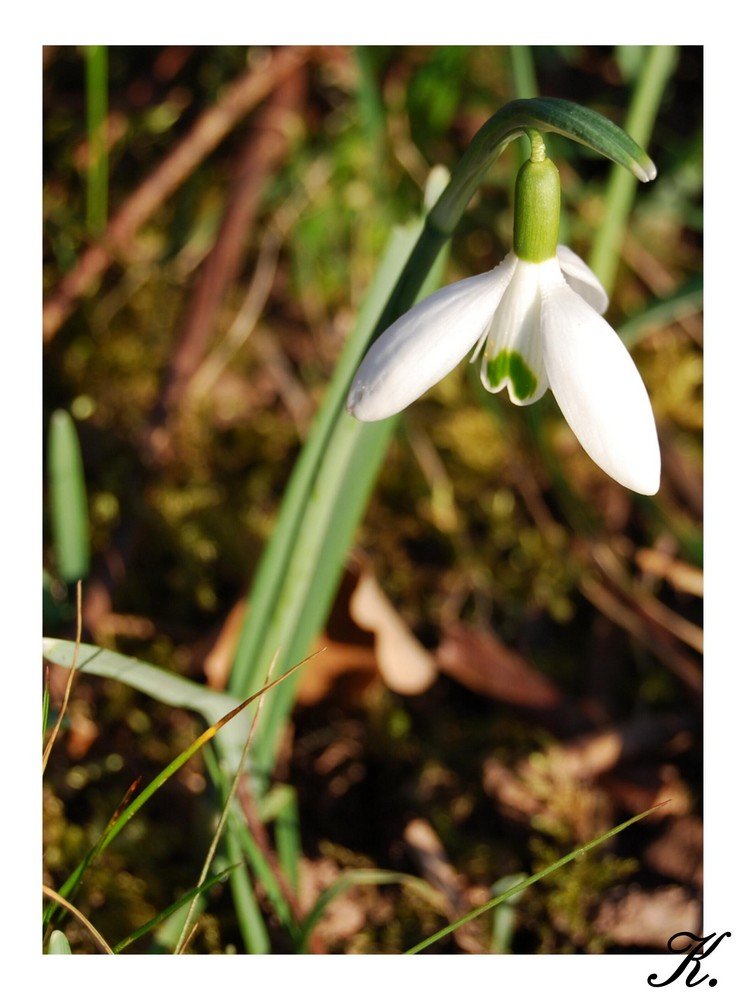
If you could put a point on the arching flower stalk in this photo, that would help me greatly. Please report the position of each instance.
(536, 321)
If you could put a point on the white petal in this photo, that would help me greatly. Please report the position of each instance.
(513, 354)
(423, 345)
(582, 280)
(599, 390)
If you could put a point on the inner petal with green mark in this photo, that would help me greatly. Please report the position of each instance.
(511, 365)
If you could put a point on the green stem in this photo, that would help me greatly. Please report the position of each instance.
(519, 886)
(302, 564)
(538, 146)
(522, 71)
(98, 160)
(543, 114)
(620, 192)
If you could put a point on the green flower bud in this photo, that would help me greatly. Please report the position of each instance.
(537, 211)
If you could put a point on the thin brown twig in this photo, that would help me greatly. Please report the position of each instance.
(188, 938)
(264, 149)
(235, 784)
(189, 927)
(70, 678)
(242, 96)
(61, 901)
(254, 301)
(657, 640)
(259, 833)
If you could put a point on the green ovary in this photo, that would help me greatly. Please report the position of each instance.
(510, 364)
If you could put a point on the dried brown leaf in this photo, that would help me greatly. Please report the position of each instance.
(684, 577)
(677, 852)
(648, 919)
(405, 665)
(430, 857)
(481, 662)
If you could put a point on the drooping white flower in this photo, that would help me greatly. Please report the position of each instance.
(538, 325)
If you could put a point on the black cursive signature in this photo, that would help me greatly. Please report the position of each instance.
(696, 953)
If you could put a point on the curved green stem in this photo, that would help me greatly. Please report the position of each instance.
(544, 114)
(302, 563)
(524, 116)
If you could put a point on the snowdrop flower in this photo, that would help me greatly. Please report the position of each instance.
(536, 320)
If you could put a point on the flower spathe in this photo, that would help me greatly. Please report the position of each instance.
(537, 326)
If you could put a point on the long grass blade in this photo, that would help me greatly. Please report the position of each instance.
(684, 301)
(165, 686)
(620, 192)
(125, 814)
(273, 573)
(265, 876)
(363, 876)
(248, 912)
(520, 886)
(302, 566)
(287, 831)
(194, 893)
(523, 72)
(228, 800)
(97, 193)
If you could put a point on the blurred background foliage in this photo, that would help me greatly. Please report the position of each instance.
(562, 613)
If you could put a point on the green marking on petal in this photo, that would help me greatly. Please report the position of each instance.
(510, 364)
